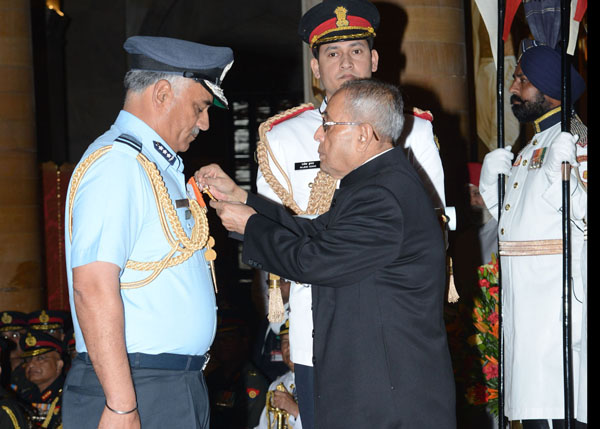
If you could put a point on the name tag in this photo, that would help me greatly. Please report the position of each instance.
(307, 165)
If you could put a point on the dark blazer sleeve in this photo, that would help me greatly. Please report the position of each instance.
(362, 232)
(283, 217)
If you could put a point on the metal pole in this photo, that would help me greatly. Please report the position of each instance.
(566, 233)
(501, 180)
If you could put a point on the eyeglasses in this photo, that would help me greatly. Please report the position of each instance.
(11, 335)
(327, 124)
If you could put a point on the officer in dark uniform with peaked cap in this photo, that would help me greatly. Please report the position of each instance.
(44, 368)
(138, 249)
(13, 324)
(13, 413)
(50, 321)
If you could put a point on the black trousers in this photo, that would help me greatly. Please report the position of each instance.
(543, 424)
(304, 378)
(166, 398)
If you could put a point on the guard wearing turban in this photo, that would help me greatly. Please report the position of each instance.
(530, 242)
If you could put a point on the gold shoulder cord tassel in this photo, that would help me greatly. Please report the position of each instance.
(452, 292)
(321, 194)
(276, 309)
(182, 246)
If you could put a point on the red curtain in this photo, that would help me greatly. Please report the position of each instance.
(55, 181)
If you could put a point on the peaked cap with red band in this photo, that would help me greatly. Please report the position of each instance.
(335, 20)
(37, 343)
(45, 320)
(12, 321)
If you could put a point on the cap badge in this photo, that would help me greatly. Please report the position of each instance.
(44, 318)
(6, 318)
(30, 340)
(340, 13)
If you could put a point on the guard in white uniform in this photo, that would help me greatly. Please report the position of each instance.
(530, 243)
(268, 418)
(340, 33)
(293, 146)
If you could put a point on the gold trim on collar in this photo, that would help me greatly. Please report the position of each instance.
(537, 122)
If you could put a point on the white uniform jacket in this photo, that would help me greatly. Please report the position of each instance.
(293, 144)
(288, 381)
(532, 285)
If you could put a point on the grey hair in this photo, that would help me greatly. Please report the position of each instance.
(377, 103)
(138, 80)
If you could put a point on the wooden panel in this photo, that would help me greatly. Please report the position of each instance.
(18, 165)
(18, 246)
(21, 299)
(18, 135)
(24, 219)
(20, 188)
(15, 51)
(16, 79)
(24, 192)
(14, 19)
(16, 106)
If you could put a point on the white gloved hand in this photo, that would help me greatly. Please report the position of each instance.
(562, 149)
(498, 161)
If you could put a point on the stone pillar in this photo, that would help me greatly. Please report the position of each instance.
(20, 190)
(422, 46)
(309, 94)
(423, 43)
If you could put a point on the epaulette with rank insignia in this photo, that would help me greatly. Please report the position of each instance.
(323, 186)
(423, 114)
(130, 141)
(288, 114)
(428, 116)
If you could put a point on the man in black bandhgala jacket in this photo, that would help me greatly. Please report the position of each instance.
(376, 261)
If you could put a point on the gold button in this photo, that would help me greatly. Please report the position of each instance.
(535, 142)
(502, 231)
(524, 162)
(507, 207)
(516, 185)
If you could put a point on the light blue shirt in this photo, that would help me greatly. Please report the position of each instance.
(115, 219)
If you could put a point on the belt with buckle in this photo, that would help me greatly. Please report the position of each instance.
(169, 361)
